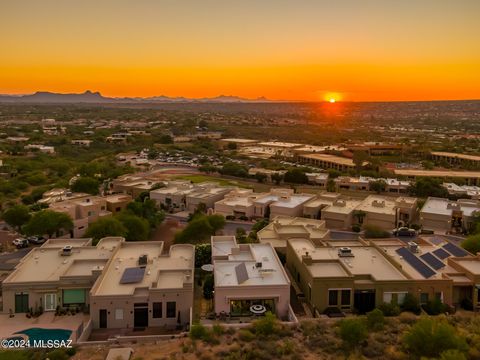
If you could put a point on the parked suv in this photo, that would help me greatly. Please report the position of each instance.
(38, 240)
(20, 243)
(404, 231)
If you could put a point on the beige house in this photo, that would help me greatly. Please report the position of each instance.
(122, 285)
(133, 185)
(382, 211)
(443, 215)
(246, 275)
(183, 195)
(283, 228)
(239, 204)
(360, 275)
(312, 209)
(83, 211)
(142, 287)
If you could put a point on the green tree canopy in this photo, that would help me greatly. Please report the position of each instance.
(148, 210)
(87, 185)
(138, 229)
(295, 176)
(105, 226)
(17, 216)
(48, 222)
(378, 186)
(472, 244)
(425, 187)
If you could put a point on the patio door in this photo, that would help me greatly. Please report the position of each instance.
(50, 302)
(21, 302)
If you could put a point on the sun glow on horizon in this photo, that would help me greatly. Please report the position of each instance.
(332, 97)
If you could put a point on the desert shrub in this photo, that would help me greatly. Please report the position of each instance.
(435, 307)
(353, 332)
(198, 332)
(218, 329)
(375, 320)
(430, 337)
(246, 335)
(375, 232)
(356, 228)
(407, 318)
(452, 355)
(389, 309)
(267, 325)
(410, 303)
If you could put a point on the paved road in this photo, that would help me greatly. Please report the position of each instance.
(9, 260)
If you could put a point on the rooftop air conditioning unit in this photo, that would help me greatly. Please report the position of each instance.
(67, 250)
(345, 252)
(142, 260)
(412, 246)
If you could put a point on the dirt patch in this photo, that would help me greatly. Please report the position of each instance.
(166, 232)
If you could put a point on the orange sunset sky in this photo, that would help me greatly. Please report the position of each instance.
(354, 50)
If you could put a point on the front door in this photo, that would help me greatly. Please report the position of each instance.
(21, 303)
(140, 315)
(50, 302)
(103, 318)
(364, 300)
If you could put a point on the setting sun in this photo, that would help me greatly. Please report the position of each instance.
(332, 100)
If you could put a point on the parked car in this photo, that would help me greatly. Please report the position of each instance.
(38, 240)
(404, 231)
(20, 243)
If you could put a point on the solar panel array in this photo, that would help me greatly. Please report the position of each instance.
(241, 272)
(455, 250)
(132, 275)
(432, 261)
(441, 254)
(416, 263)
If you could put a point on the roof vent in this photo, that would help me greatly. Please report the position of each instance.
(258, 265)
(67, 250)
(345, 252)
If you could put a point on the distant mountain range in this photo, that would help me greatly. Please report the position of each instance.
(95, 97)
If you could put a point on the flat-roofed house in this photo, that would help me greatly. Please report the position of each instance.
(207, 193)
(312, 209)
(133, 185)
(247, 275)
(339, 215)
(360, 275)
(83, 211)
(142, 287)
(283, 228)
(59, 273)
(122, 284)
(444, 215)
(284, 202)
(239, 203)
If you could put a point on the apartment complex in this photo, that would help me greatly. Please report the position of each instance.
(443, 215)
(247, 275)
(185, 196)
(283, 228)
(123, 285)
(469, 177)
(85, 210)
(456, 159)
(328, 161)
(360, 275)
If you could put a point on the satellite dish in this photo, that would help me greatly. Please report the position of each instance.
(207, 267)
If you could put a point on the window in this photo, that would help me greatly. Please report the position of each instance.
(157, 310)
(171, 309)
(73, 296)
(118, 209)
(118, 314)
(332, 297)
(396, 298)
(423, 298)
(345, 297)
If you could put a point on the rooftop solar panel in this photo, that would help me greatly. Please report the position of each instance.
(441, 254)
(432, 261)
(241, 272)
(416, 263)
(132, 275)
(454, 250)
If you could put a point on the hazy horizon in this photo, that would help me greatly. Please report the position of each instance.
(373, 50)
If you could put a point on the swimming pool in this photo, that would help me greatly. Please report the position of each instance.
(46, 334)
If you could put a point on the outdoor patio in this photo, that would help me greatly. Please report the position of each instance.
(10, 325)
